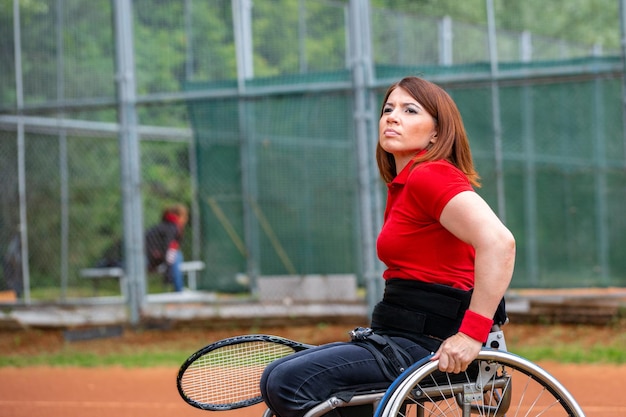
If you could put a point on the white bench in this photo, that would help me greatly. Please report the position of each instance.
(190, 268)
(97, 274)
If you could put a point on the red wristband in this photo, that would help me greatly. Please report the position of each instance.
(476, 326)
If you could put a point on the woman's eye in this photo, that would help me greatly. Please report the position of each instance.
(387, 110)
(411, 110)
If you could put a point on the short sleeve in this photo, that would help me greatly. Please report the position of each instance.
(431, 185)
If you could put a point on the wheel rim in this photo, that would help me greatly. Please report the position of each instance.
(534, 391)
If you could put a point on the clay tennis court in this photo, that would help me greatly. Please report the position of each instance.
(137, 392)
(119, 392)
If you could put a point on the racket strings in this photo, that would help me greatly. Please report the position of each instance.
(230, 374)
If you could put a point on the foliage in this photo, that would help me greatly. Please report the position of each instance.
(68, 56)
(173, 45)
(585, 21)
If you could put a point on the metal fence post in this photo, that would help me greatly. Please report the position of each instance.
(21, 152)
(135, 268)
(495, 110)
(622, 24)
(362, 80)
(242, 21)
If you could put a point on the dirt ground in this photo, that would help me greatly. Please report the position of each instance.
(123, 392)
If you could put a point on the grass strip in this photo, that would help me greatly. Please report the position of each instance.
(155, 357)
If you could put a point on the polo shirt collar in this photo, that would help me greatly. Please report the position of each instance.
(401, 178)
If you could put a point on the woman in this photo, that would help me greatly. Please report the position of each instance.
(449, 261)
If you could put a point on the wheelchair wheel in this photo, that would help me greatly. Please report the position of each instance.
(496, 384)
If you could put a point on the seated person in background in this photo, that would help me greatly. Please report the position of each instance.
(163, 244)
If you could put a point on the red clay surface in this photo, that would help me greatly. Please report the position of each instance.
(138, 392)
(108, 392)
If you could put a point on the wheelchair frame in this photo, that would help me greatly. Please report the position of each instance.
(422, 390)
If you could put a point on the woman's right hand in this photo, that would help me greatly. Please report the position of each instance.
(457, 352)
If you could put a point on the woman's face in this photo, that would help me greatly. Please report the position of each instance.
(405, 127)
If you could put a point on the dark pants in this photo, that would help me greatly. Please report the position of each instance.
(293, 385)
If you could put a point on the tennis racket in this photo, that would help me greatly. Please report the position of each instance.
(225, 375)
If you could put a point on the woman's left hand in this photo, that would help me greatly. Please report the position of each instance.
(457, 352)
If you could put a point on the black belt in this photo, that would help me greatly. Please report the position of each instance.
(416, 308)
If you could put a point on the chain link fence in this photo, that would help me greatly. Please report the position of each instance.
(260, 117)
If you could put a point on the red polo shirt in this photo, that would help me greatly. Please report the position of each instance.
(412, 242)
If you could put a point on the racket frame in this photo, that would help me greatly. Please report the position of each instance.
(231, 341)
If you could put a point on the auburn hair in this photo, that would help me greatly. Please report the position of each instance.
(452, 143)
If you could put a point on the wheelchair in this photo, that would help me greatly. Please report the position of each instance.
(497, 383)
